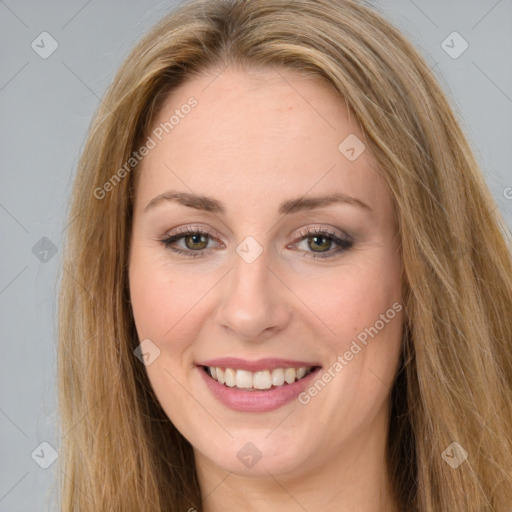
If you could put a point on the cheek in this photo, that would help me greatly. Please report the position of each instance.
(162, 298)
(170, 307)
(362, 307)
(353, 297)
(166, 310)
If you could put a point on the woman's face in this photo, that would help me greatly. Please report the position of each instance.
(264, 247)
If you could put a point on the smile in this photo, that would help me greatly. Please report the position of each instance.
(256, 386)
(257, 381)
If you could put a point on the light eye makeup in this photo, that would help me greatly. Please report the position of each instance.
(317, 242)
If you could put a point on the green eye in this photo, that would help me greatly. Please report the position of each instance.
(197, 241)
(319, 243)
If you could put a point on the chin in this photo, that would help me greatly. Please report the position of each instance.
(258, 455)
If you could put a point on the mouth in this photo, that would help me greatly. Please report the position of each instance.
(256, 386)
(262, 380)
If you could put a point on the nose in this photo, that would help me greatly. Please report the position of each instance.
(253, 305)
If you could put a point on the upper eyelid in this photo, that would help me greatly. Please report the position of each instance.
(325, 230)
(303, 233)
(189, 230)
(340, 241)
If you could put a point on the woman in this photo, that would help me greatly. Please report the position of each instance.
(287, 285)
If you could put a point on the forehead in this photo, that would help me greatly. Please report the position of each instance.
(259, 133)
(257, 102)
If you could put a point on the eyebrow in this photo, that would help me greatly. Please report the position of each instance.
(212, 205)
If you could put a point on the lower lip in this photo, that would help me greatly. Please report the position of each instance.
(256, 401)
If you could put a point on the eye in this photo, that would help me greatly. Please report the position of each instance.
(195, 242)
(319, 241)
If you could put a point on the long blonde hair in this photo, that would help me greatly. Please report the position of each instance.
(119, 451)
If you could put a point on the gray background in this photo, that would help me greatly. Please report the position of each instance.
(46, 106)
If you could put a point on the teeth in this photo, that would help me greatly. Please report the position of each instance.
(301, 372)
(278, 377)
(230, 376)
(289, 375)
(261, 380)
(243, 379)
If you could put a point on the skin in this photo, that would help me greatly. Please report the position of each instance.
(255, 139)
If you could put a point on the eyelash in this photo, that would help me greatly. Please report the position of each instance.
(343, 244)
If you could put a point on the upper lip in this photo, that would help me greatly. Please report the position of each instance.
(255, 366)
